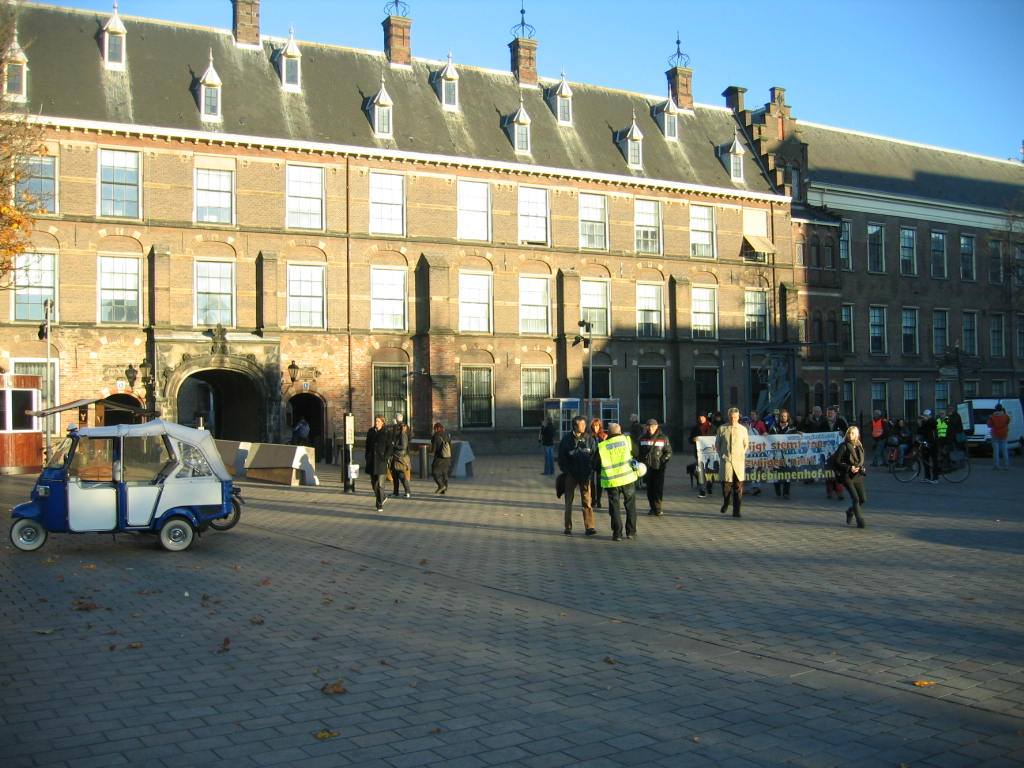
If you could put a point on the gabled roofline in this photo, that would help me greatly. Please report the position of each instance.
(264, 142)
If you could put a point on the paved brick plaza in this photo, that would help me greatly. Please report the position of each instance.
(466, 630)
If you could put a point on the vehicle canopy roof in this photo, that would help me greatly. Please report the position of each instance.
(198, 438)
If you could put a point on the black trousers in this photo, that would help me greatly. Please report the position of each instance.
(655, 479)
(858, 496)
(622, 498)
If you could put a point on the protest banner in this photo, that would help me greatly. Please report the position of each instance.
(773, 458)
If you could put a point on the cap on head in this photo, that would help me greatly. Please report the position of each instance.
(927, 412)
(652, 422)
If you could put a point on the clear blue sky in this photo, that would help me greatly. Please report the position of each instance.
(939, 72)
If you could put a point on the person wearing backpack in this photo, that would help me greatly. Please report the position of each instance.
(441, 445)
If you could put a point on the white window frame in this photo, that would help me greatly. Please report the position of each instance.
(736, 167)
(534, 304)
(708, 233)
(908, 252)
(997, 335)
(593, 213)
(646, 223)
(115, 168)
(595, 305)
(968, 255)
(635, 153)
(757, 299)
(201, 193)
(30, 280)
(847, 320)
(286, 81)
(845, 250)
(298, 276)
(563, 110)
(476, 314)
(474, 210)
(304, 197)
(107, 282)
(969, 332)
(389, 298)
(873, 326)
(932, 239)
(116, 65)
(522, 391)
(47, 399)
(205, 322)
(383, 120)
(704, 304)
(387, 204)
(521, 138)
(937, 330)
(490, 395)
(534, 216)
(996, 276)
(32, 181)
(910, 330)
(18, 94)
(650, 303)
(875, 235)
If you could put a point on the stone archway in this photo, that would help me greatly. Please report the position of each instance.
(109, 417)
(223, 401)
(310, 407)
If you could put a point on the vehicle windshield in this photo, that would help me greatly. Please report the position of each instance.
(59, 457)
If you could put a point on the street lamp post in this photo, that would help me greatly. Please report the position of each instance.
(588, 329)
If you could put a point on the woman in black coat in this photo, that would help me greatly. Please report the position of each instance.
(849, 469)
(401, 465)
(377, 458)
(441, 446)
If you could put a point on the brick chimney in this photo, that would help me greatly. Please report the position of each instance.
(734, 97)
(398, 40)
(680, 85)
(247, 22)
(524, 60)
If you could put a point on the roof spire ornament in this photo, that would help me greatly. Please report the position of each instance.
(679, 59)
(522, 29)
(396, 8)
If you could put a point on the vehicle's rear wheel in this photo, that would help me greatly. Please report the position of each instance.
(231, 520)
(177, 534)
(27, 535)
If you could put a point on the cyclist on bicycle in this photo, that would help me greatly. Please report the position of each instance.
(927, 434)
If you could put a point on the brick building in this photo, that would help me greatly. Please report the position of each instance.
(243, 228)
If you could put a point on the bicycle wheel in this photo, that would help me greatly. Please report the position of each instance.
(909, 470)
(958, 470)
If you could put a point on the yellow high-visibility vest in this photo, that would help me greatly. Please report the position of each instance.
(616, 454)
(941, 426)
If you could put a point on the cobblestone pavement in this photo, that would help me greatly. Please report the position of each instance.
(467, 630)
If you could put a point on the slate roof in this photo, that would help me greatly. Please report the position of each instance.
(165, 60)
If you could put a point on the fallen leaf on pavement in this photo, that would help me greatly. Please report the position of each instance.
(330, 689)
(325, 734)
(610, 660)
(923, 683)
(45, 631)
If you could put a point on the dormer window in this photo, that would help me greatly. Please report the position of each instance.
(518, 125)
(448, 86)
(631, 143)
(735, 157)
(381, 112)
(210, 106)
(114, 38)
(289, 62)
(561, 102)
(793, 171)
(667, 115)
(15, 71)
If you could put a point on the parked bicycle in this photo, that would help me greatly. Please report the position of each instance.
(952, 464)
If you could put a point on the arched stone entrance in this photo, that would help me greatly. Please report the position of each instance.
(311, 408)
(225, 402)
(109, 417)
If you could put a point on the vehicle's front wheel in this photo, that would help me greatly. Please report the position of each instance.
(27, 535)
(177, 534)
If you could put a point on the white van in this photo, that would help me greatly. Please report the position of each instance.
(975, 412)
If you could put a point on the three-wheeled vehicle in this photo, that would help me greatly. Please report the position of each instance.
(157, 477)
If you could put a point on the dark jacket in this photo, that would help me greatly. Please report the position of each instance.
(577, 455)
(439, 439)
(376, 451)
(847, 456)
(655, 450)
(548, 434)
(778, 428)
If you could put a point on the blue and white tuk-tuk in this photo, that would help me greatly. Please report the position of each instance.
(157, 477)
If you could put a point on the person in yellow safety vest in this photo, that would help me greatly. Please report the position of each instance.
(942, 431)
(618, 477)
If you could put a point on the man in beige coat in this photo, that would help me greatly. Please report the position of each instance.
(732, 442)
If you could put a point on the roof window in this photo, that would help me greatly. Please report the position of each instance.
(210, 102)
(447, 82)
(561, 102)
(381, 110)
(518, 126)
(114, 40)
(289, 64)
(631, 143)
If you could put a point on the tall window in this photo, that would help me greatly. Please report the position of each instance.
(563, 106)
(941, 395)
(971, 387)
(593, 221)
(647, 226)
(651, 388)
(846, 321)
(387, 204)
(534, 305)
(876, 248)
(996, 336)
(940, 331)
(880, 397)
(908, 251)
(911, 399)
(909, 331)
(37, 187)
(969, 333)
(1018, 264)
(702, 232)
(939, 254)
(533, 216)
(649, 311)
(14, 80)
(535, 387)
(995, 261)
(755, 311)
(38, 368)
(387, 298)
(876, 330)
(119, 289)
(305, 296)
(34, 283)
(214, 196)
(845, 260)
(968, 270)
(215, 291)
(474, 302)
(847, 402)
(594, 305)
(119, 183)
(305, 197)
(704, 309)
(474, 210)
(390, 391)
(477, 397)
